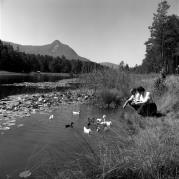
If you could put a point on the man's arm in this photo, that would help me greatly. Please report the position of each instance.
(127, 101)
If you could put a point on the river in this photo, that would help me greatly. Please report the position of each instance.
(36, 143)
(10, 78)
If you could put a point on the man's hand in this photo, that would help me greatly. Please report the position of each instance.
(124, 106)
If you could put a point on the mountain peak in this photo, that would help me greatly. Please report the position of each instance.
(55, 49)
(56, 42)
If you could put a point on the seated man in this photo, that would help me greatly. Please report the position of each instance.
(147, 106)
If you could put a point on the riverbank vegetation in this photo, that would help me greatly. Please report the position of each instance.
(109, 86)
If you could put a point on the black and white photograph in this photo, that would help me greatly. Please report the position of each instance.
(89, 89)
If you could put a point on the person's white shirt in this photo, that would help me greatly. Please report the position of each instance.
(136, 97)
(145, 98)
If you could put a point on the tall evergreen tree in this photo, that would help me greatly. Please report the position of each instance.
(155, 46)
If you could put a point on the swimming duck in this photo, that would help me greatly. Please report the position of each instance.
(99, 120)
(89, 123)
(87, 130)
(69, 125)
(76, 112)
(107, 123)
(51, 117)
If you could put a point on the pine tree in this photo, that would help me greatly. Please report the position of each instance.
(155, 46)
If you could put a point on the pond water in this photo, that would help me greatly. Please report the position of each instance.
(11, 89)
(36, 142)
(9, 78)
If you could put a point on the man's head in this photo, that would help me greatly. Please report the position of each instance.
(140, 89)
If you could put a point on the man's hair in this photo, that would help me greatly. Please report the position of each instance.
(141, 89)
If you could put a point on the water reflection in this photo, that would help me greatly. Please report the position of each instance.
(31, 77)
(12, 90)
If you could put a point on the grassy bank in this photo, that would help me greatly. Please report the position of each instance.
(142, 148)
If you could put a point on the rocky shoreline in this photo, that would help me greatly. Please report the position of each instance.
(23, 105)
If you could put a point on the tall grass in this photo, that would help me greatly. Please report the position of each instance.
(109, 85)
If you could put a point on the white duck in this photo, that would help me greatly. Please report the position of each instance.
(107, 123)
(99, 120)
(76, 112)
(51, 117)
(87, 130)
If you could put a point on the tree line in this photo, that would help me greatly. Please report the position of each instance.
(163, 44)
(15, 61)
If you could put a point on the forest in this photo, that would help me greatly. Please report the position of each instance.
(162, 47)
(162, 52)
(15, 61)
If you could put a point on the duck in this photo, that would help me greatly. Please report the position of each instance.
(87, 130)
(99, 120)
(89, 123)
(76, 112)
(69, 125)
(107, 123)
(51, 117)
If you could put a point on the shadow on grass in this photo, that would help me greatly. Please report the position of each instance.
(159, 114)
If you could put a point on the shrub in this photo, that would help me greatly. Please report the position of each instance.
(109, 85)
(109, 96)
(159, 86)
(169, 94)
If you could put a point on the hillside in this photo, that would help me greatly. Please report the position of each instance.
(110, 65)
(55, 49)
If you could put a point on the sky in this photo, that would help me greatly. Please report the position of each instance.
(100, 30)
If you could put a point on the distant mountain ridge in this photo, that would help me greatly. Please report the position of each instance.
(110, 65)
(55, 49)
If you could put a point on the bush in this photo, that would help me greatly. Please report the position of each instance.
(108, 84)
(169, 100)
(110, 96)
(159, 86)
